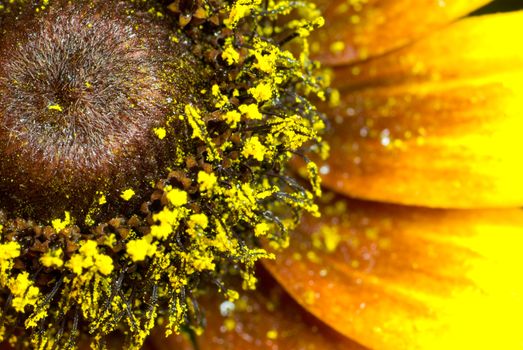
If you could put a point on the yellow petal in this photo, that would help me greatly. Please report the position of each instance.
(393, 277)
(438, 123)
(358, 29)
(268, 319)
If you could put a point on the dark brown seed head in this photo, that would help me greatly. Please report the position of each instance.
(82, 85)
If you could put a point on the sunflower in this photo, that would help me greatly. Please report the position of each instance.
(418, 243)
(406, 253)
(144, 159)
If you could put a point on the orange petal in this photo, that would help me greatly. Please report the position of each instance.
(363, 28)
(268, 319)
(393, 277)
(437, 123)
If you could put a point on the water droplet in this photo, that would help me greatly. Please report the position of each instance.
(226, 308)
(351, 112)
(325, 169)
(385, 137)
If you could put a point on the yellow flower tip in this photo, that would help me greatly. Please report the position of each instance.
(102, 199)
(261, 229)
(160, 132)
(52, 258)
(55, 107)
(254, 148)
(104, 264)
(200, 220)
(9, 251)
(230, 55)
(89, 258)
(206, 181)
(261, 92)
(59, 224)
(232, 118)
(232, 295)
(336, 248)
(127, 194)
(141, 248)
(239, 10)
(161, 231)
(176, 197)
(24, 292)
(251, 111)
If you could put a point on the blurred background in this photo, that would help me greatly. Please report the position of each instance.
(500, 6)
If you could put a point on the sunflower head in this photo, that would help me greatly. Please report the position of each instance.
(143, 157)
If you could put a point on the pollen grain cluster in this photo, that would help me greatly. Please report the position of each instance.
(144, 159)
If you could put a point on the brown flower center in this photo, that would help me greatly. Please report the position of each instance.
(81, 88)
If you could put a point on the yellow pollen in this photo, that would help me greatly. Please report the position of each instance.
(55, 107)
(127, 194)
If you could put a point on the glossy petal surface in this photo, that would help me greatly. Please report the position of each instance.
(393, 277)
(435, 124)
(358, 29)
(267, 319)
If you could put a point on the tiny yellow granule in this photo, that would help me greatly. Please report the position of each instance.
(169, 221)
(55, 107)
(229, 324)
(127, 194)
(160, 133)
(222, 241)
(334, 98)
(272, 334)
(232, 295)
(331, 238)
(249, 282)
(102, 200)
(337, 47)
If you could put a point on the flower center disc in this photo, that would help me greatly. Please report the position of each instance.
(82, 85)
